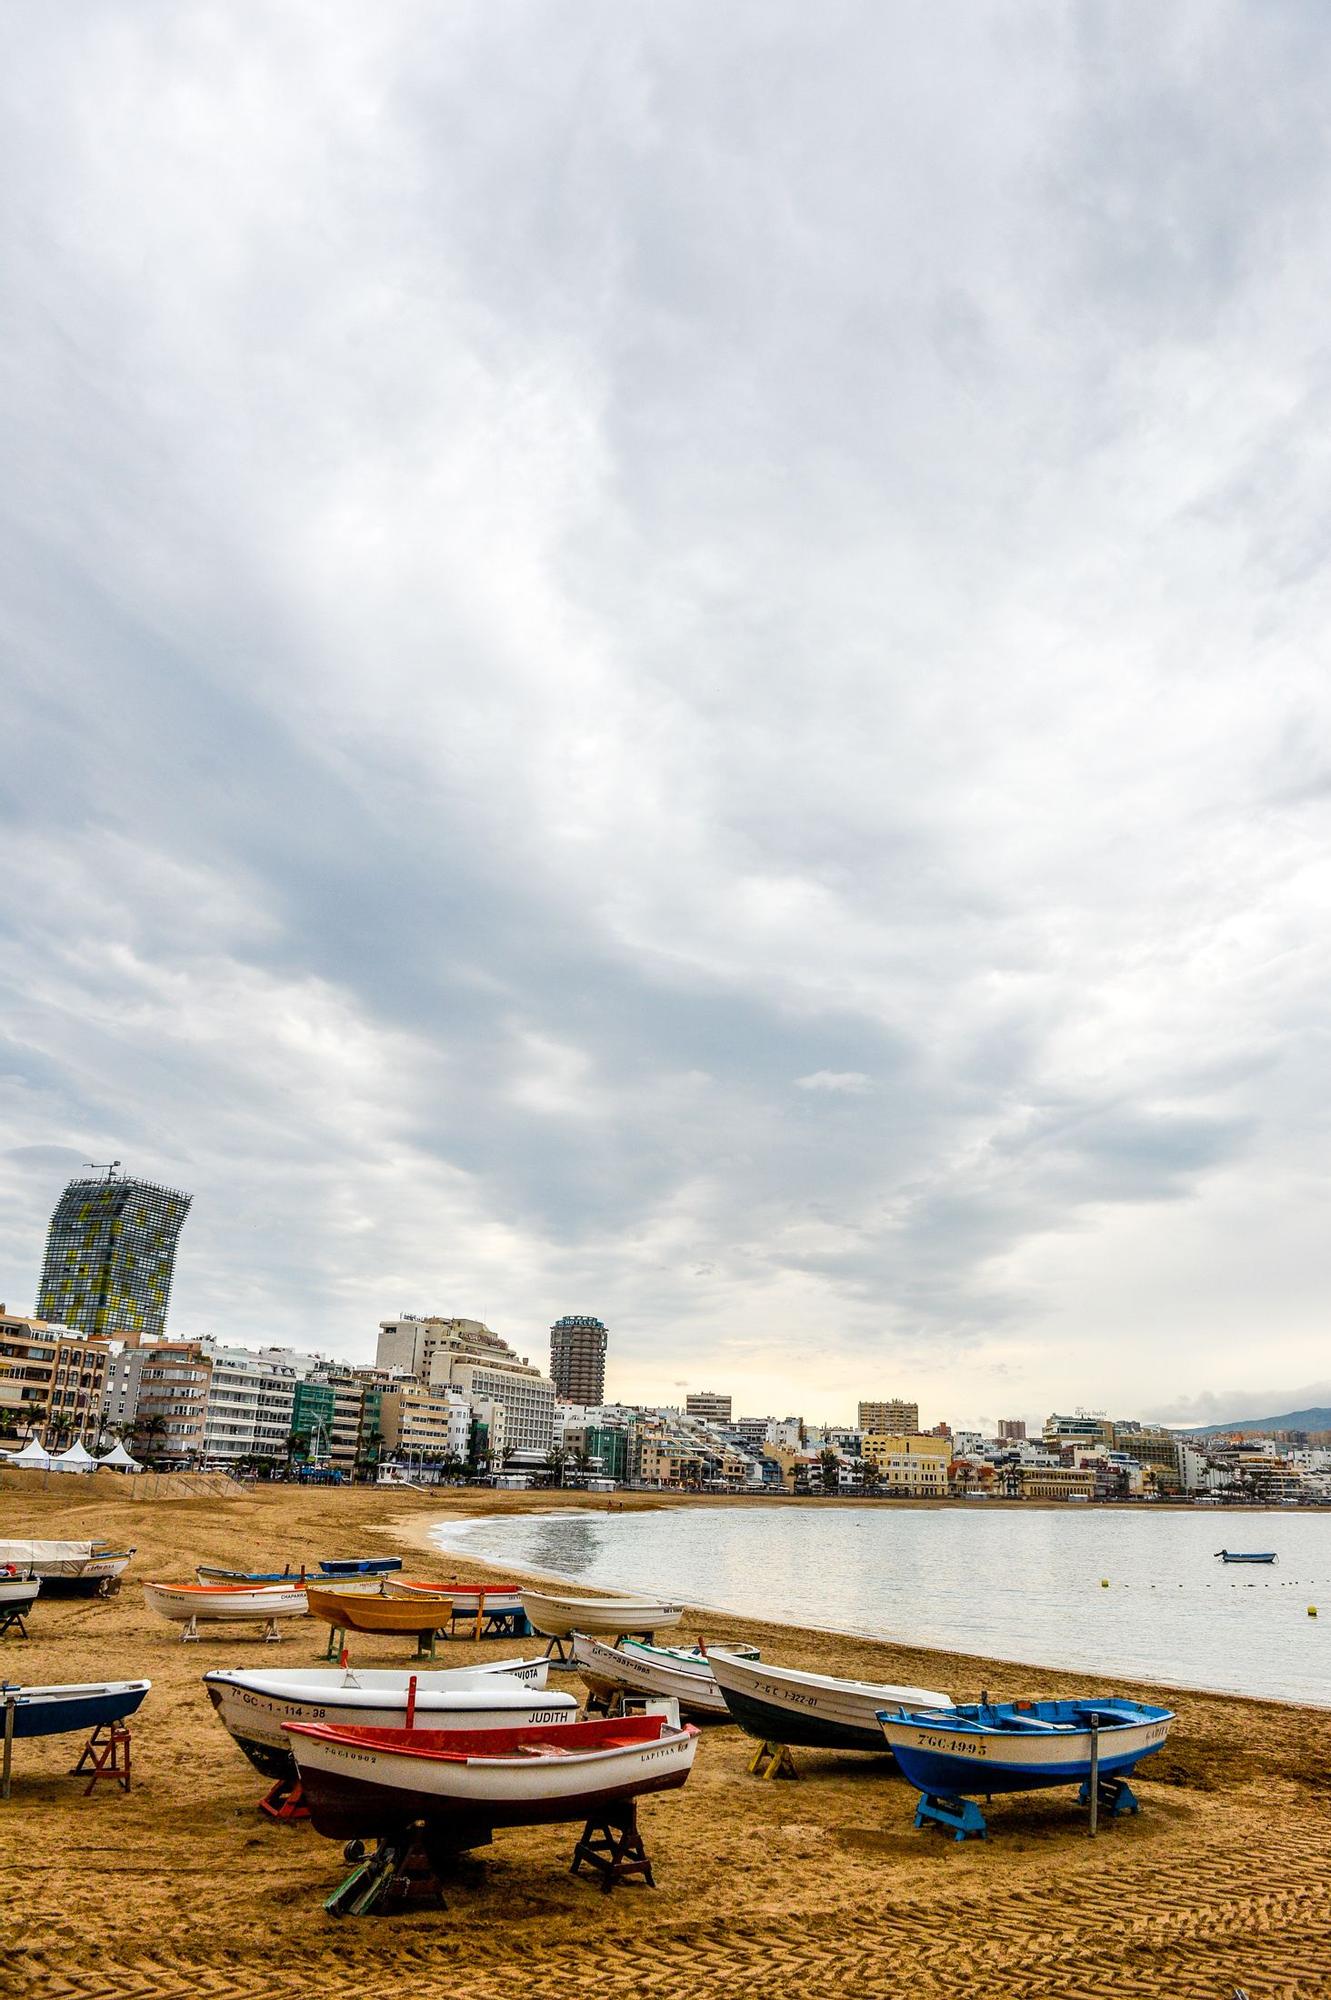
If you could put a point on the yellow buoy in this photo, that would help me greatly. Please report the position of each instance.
(1312, 1610)
(1104, 1583)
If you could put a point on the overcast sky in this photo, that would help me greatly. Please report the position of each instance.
(671, 661)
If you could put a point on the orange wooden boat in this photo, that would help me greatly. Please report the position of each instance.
(354, 1610)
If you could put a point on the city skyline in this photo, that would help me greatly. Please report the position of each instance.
(629, 699)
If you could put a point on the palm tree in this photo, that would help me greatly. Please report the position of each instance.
(555, 1461)
(297, 1445)
(869, 1475)
(829, 1464)
(149, 1431)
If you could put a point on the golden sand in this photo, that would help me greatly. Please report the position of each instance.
(818, 1888)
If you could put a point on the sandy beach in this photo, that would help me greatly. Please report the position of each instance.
(181, 1887)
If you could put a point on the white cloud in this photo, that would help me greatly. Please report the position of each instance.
(843, 1082)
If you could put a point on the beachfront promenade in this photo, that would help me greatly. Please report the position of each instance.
(809, 1889)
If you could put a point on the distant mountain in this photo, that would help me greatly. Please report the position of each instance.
(1294, 1420)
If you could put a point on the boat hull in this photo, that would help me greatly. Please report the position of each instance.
(223, 1602)
(470, 1600)
(945, 1761)
(811, 1711)
(350, 1609)
(612, 1668)
(60, 1711)
(361, 1566)
(559, 1617)
(66, 1565)
(19, 1590)
(356, 1791)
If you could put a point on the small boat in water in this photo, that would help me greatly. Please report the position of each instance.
(1020, 1746)
(558, 1617)
(361, 1565)
(78, 1705)
(815, 1711)
(254, 1706)
(457, 1785)
(681, 1672)
(1234, 1556)
(357, 1611)
(86, 1565)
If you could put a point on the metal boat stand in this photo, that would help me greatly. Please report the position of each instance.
(285, 1800)
(555, 1650)
(611, 1846)
(402, 1873)
(960, 1817)
(773, 1760)
(102, 1756)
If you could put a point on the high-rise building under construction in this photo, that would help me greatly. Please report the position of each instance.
(110, 1256)
(577, 1359)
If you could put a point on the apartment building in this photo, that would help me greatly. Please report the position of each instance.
(464, 1354)
(708, 1405)
(250, 1401)
(28, 1350)
(171, 1385)
(429, 1424)
(1055, 1482)
(910, 1464)
(893, 1418)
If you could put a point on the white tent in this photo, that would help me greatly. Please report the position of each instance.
(76, 1459)
(119, 1459)
(32, 1458)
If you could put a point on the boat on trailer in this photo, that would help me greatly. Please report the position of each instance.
(75, 1565)
(681, 1673)
(813, 1711)
(558, 1617)
(1021, 1746)
(458, 1785)
(1237, 1556)
(254, 1706)
(77, 1705)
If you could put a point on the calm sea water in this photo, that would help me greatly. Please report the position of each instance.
(1016, 1586)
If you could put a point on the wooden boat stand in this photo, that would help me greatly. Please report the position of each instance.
(102, 1756)
(773, 1760)
(285, 1800)
(961, 1817)
(11, 1615)
(403, 1873)
(611, 1846)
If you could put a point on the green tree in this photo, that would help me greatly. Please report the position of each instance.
(829, 1464)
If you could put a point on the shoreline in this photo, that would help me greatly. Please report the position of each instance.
(417, 1535)
(766, 1890)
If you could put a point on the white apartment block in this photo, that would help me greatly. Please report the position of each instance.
(464, 1354)
(249, 1400)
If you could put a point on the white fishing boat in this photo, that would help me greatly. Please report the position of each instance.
(470, 1600)
(784, 1705)
(18, 1590)
(458, 1785)
(558, 1617)
(254, 1706)
(94, 1564)
(188, 1603)
(681, 1672)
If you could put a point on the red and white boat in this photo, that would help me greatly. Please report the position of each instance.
(459, 1784)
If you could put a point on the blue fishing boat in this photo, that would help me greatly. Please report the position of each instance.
(58, 1711)
(1021, 1746)
(362, 1566)
(1234, 1556)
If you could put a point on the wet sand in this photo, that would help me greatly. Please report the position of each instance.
(814, 1888)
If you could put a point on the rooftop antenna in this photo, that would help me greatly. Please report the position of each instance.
(107, 1167)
